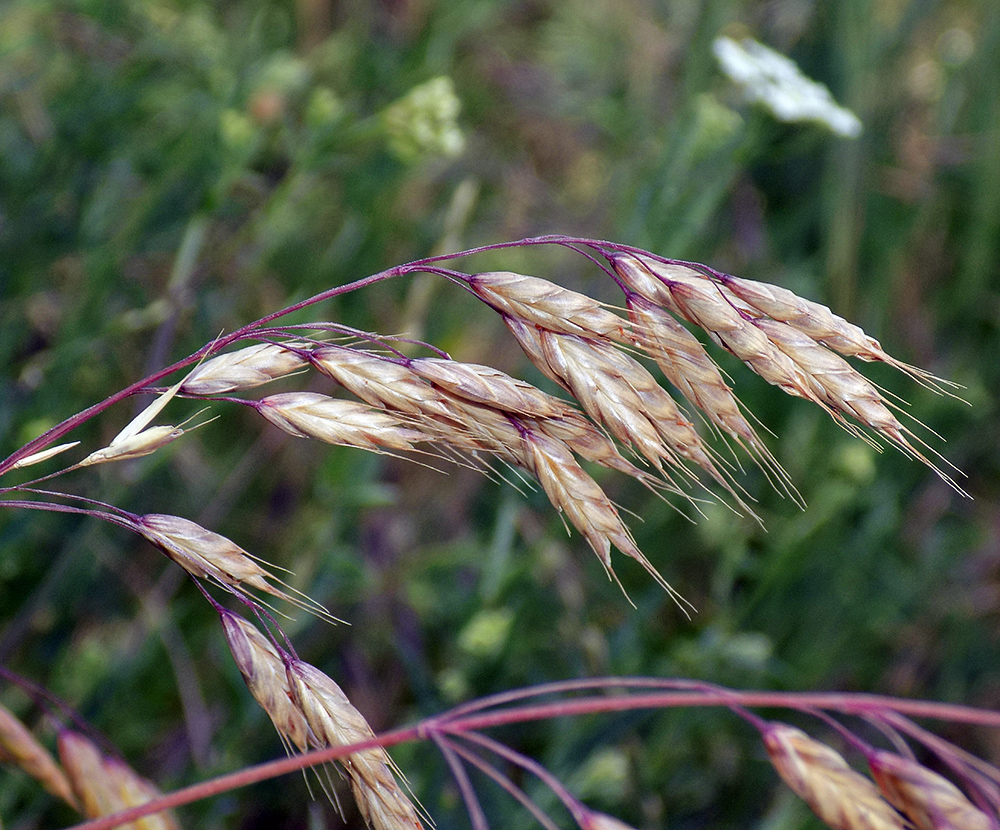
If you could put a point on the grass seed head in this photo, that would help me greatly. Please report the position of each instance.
(335, 722)
(841, 797)
(585, 505)
(543, 303)
(489, 386)
(335, 421)
(136, 446)
(264, 672)
(208, 555)
(618, 392)
(928, 800)
(378, 381)
(108, 785)
(244, 369)
(19, 747)
(685, 363)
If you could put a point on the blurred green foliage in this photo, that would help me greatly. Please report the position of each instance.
(174, 168)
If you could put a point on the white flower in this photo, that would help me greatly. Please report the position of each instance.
(769, 78)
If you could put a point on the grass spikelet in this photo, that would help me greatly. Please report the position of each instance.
(106, 785)
(791, 357)
(489, 386)
(136, 446)
(208, 555)
(584, 504)
(138, 438)
(618, 392)
(685, 364)
(335, 421)
(244, 369)
(19, 747)
(842, 798)
(843, 389)
(44, 455)
(378, 381)
(821, 324)
(689, 294)
(543, 303)
(588, 442)
(334, 721)
(263, 671)
(930, 801)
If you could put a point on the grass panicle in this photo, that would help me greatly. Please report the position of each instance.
(605, 407)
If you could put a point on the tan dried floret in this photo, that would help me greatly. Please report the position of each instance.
(689, 294)
(244, 369)
(819, 323)
(334, 721)
(928, 800)
(842, 798)
(378, 381)
(618, 392)
(335, 421)
(135, 446)
(264, 672)
(841, 387)
(208, 555)
(490, 387)
(687, 365)
(106, 785)
(18, 746)
(787, 351)
(545, 304)
(588, 442)
(585, 505)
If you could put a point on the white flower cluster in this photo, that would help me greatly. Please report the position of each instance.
(424, 121)
(769, 78)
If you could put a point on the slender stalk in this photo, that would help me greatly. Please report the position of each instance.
(863, 704)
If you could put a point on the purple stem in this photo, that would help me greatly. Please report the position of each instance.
(855, 704)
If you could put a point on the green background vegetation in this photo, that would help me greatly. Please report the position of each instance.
(172, 169)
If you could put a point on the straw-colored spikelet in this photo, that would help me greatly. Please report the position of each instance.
(819, 323)
(208, 555)
(794, 350)
(135, 446)
(378, 381)
(490, 387)
(264, 672)
(618, 392)
(19, 747)
(841, 387)
(333, 721)
(335, 421)
(244, 369)
(546, 304)
(685, 363)
(689, 294)
(820, 776)
(106, 785)
(588, 442)
(928, 800)
(586, 506)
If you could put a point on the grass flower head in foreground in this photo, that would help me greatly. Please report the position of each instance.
(605, 408)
